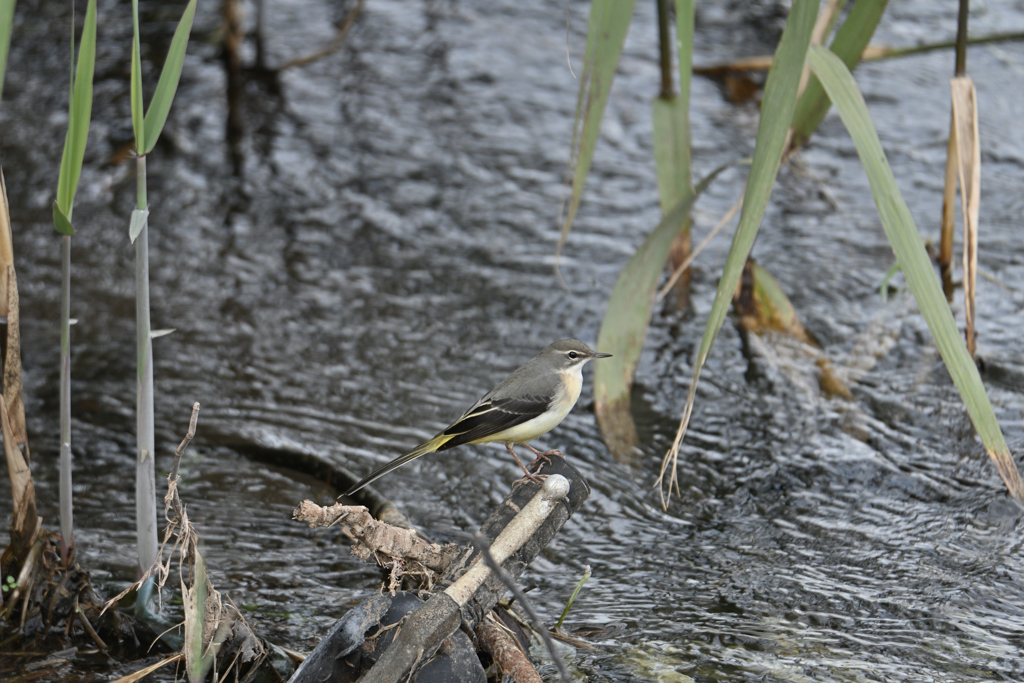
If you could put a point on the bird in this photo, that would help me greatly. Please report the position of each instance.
(530, 402)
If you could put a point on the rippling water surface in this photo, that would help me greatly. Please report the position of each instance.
(385, 256)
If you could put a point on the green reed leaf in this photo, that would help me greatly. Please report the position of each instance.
(913, 260)
(776, 114)
(851, 39)
(160, 105)
(79, 114)
(138, 120)
(606, 34)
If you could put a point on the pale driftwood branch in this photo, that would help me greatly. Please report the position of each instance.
(390, 545)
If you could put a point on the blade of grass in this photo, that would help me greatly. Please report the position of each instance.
(851, 39)
(914, 262)
(82, 100)
(572, 598)
(138, 120)
(671, 149)
(606, 34)
(672, 165)
(776, 114)
(79, 114)
(625, 323)
(968, 153)
(883, 288)
(160, 105)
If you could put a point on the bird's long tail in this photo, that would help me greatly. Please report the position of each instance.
(422, 449)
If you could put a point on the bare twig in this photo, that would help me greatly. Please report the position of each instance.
(172, 478)
(88, 626)
(678, 272)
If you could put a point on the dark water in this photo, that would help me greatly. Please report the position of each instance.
(386, 256)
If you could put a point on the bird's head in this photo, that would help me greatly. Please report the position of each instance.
(570, 354)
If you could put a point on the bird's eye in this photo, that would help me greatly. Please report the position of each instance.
(573, 355)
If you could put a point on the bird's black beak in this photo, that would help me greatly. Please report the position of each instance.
(602, 355)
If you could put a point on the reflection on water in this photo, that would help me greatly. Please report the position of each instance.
(386, 256)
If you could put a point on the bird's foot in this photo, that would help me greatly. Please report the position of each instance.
(535, 478)
(542, 458)
(544, 455)
(530, 476)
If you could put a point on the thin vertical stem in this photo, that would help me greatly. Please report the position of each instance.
(66, 517)
(145, 483)
(948, 215)
(681, 250)
(665, 48)
(684, 39)
(949, 190)
(961, 37)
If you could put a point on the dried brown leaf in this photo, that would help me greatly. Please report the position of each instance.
(13, 392)
(965, 124)
(24, 521)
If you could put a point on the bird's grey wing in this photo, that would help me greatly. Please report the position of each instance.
(493, 415)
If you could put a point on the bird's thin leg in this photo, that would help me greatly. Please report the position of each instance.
(544, 455)
(535, 479)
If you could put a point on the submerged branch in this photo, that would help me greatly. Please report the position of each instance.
(343, 30)
(871, 53)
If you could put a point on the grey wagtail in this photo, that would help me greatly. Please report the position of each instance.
(531, 401)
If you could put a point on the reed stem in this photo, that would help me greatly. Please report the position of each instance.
(66, 514)
(145, 483)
